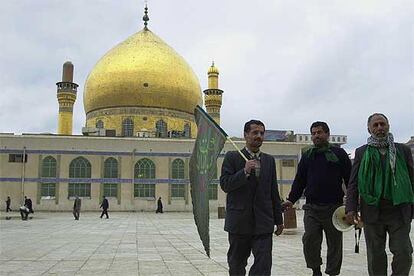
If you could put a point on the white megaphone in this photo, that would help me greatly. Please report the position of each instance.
(339, 220)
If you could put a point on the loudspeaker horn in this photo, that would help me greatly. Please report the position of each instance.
(339, 220)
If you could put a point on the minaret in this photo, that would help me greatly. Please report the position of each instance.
(212, 98)
(66, 94)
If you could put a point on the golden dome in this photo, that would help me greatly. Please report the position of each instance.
(142, 71)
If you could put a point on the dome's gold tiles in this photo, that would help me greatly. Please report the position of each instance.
(142, 71)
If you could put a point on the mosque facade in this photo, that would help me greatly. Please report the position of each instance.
(138, 137)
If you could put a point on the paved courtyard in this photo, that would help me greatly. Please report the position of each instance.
(138, 244)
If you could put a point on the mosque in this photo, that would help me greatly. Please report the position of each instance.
(139, 133)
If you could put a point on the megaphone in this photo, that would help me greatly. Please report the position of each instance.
(339, 220)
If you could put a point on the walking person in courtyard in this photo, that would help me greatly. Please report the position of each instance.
(321, 172)
(77, 207)
(381, 187)
(159, 206)
(253, 206)
(105, 207)
(8, 204)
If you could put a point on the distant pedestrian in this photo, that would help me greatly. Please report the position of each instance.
(77, 207)
(105, 207)
(28, 203)
(8, 203)
(159, 206)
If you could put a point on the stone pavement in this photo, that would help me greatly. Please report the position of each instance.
(139, 244)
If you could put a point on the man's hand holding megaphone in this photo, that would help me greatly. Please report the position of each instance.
(352, 218)
(286, 205)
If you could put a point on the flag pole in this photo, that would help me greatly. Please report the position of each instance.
(237, 148)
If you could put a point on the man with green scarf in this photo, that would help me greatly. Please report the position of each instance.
(382, 182)
(321, 172)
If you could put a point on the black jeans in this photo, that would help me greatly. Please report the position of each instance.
(240, 248)
(76, 214)
(318, 218)
(105, 212)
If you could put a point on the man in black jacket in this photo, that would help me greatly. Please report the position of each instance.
(159, 206)
(8, 203)
(104, 206)
(77, 203)
(382, 180)
(253, 204)
(321, 171)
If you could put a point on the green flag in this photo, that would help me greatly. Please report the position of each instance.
(208, 145)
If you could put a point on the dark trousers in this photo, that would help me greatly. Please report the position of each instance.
(76, 214)
(318, 218)
(8, 208)
(240, 248)
(399, 244)
(105, 212)
(24, 215)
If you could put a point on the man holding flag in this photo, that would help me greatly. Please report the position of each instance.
(253, 206)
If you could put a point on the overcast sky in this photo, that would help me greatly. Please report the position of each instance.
(287, 63)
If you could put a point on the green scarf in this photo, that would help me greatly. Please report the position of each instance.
(374, 183)
(325, 149)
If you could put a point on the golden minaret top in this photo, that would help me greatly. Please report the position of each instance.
(213, 95)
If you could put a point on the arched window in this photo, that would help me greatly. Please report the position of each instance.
(99, 124)
(178, 190)
(161, 128)
(144, 169)
(110, 188)
(178, 169)
(111, 168)
(48, 186)
(127, 127)
(79, 168)
(187, 130)
(49, 167)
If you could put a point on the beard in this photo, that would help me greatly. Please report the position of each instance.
(380, 136)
